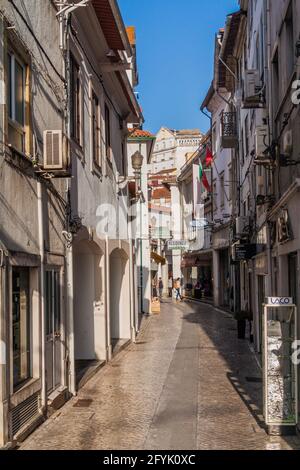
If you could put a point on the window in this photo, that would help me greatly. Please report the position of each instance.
(249, 203)
(107, 133)
(242, 147)
(96, 130)
(230, 176)
(289, 42)
(76, 99)
(215, 205)
(222, 187)
(247, 135)
(16, 73)
(214, 139)
(21, 326)
(52, 302)
(275, 73)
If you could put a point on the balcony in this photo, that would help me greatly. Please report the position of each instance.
(229, 137)
(160, 233)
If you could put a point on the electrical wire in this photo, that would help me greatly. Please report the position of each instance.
(100, 78)
(247, 172)
(37, 40)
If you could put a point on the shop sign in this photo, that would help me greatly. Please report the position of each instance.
(245, 252)
(182, 245)
(279, 301)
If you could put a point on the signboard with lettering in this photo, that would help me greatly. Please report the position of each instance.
(182, 245)
(280, 301)
(244, 252)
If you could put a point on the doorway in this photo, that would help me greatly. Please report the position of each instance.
(120, 324)
(89, 309)
(53, 330)
(260, 300)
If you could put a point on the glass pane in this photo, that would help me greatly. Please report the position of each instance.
(9, 86)
(56, 301)
(16, 138)
(21, 325)
(19, 92)
(49, 322)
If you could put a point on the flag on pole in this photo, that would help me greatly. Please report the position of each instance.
(203, 177)
(209, 157)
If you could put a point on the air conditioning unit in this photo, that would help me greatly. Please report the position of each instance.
(242, 226)
(262, 144)
(252, 89)
(53, 150)
(288, 143)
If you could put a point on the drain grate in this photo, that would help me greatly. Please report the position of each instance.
(83, 403)
(257, 380)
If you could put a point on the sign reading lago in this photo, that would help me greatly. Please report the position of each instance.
(279, 301)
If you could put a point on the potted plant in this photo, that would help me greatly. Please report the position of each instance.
(241, 317)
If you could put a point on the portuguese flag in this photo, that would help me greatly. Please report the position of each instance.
(203, 177)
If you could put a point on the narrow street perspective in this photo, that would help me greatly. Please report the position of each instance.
(178, 387)
(149, 227)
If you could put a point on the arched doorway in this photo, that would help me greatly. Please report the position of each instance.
(89, 311)
(120, 324)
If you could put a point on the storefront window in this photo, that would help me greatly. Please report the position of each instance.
(21, 326)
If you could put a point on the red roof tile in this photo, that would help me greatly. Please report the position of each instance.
(161, 193)
(139, 133)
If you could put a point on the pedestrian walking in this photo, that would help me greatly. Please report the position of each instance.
(177, 289)
(160, 287)
(170, 286)
(154, 288)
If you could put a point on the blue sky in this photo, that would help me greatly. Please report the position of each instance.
(175, 40)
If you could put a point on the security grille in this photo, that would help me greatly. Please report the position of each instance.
(23, 413)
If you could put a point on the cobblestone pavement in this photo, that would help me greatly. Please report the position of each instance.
(188, 383)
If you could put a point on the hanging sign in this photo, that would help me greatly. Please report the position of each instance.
(279, 301)
(178, 245)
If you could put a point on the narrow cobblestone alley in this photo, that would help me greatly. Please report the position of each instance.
(187, 384)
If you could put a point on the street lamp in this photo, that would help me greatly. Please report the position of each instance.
(137, 163)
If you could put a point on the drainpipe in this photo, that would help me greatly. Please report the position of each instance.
(70, 322)
(141, 240)
(133, 319)
(269, 286)
(107, 275)
(70, 349)
(4, 377)
(4, 288)
(42, 290)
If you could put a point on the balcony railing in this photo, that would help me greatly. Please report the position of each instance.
(229, 137)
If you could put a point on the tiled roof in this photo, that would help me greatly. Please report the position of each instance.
(189, 132)
(161, 193)
(139, 133)
(163, 172)
(131, 35)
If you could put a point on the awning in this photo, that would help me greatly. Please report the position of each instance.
(195, 261)
(157, 258)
